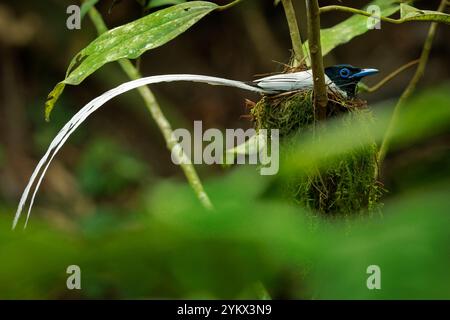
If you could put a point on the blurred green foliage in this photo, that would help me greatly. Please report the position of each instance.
(175, 249)
(106, 168)
(168, 246)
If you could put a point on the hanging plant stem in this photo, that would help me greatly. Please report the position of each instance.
(157, 115)
(390, 76)
(423, 60)
(294, 32)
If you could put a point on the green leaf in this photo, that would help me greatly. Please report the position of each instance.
(352, 27)
(53, 96)
(409, 13)
(158, 3)
(399, 244)
(130, 41)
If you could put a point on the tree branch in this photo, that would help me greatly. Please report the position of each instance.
(157, 114)
(315, 49)
(294, 32)
(410, 88)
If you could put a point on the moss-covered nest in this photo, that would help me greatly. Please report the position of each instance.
(348, 185)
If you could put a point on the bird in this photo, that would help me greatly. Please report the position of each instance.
(341, 78)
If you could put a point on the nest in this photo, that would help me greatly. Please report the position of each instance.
(348, 184)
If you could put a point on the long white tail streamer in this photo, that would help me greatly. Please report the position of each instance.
(92, 106)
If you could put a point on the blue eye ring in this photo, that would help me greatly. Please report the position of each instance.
(344, 73)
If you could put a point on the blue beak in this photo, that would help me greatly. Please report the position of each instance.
(364, 73)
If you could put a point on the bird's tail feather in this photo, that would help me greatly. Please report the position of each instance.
(44, 163)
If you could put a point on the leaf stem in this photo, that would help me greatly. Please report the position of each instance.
(409, 89)
(229, 5)
(357, 11)
(392, 76)
(368, 14)
(157, 114)
(315, 49)
(294, 32)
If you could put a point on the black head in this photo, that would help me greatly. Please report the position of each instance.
(346, 77)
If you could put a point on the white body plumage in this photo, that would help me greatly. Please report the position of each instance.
(286, 82)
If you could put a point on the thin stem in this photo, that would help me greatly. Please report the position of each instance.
(386, 19)
(392, 76)
(357, 11)
(157, 114)
(315, 49)
(410, 88)
(227, 6)
(294, 32)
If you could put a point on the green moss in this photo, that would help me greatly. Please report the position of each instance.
(347, 185)
(290, 113)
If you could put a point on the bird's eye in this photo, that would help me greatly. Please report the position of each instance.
(344, 73)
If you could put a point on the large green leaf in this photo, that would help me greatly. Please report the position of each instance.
(352, 27)
(130, 41)
(409, 13)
